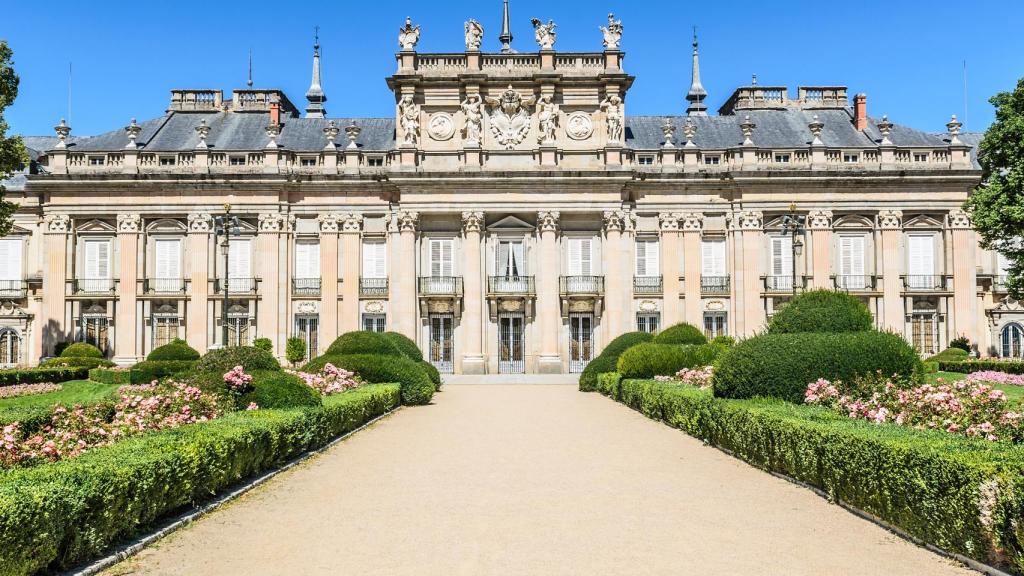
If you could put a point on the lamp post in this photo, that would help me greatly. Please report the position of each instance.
(225, 226)
(794, 224)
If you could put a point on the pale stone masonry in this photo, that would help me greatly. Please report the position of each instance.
(510, 217)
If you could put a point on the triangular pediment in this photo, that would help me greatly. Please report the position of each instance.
(511, 223)
(852, 221)
(94, 226)
(922, 221)
(167, 225)
(18, 231)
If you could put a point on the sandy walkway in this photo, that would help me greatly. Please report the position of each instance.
(530, 480)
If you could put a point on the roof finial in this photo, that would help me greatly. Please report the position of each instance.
(697, 93)
(506, 32)
(248, 81)
(315, 94)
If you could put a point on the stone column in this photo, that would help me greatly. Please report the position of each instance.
(548, 309)
(268, 270)
(197, 327)
(328, 321)
(351, 258)
(473, 294)
(820, 223)
(693, 224)
(618, 277)
(52, 329)
(965, 280)
(670, 245)
(748, 286)
(891, 224)
(402, 273)
(126, 345)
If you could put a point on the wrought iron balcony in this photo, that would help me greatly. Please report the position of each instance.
(373, 287)
(440, 285)
(90, 286)
(854, 282)
(717, 285)
(240, 286)
(783, 283)
(510, 285)
(305, 286)
(13, 288)
(647, 284)
(581, 285)
(924, 282)
(163, 286)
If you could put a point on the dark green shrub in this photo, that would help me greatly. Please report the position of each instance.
(822, 311)
(295, 350)
(962, 343)
(781, 365)
(930, 367)
(949, 355)
(60, 347)
(405, 345)
(608, 383)
(248, 357)
(652, 359)
(432, 373)
(42, 374)
(968, 366)
(726, 341)
(176, 349)
(609, 358)
(108, 376)
(264, 344)
(81, 350)
(278, 389)
(681, 333)
(77, 362)
(149, 370)
(374, 368)
(364, 342)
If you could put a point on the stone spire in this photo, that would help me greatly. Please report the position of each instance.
(697, 94)
(315, 94)
(506, 32)
(248, 81)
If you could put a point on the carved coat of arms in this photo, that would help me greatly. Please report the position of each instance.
(509, 119)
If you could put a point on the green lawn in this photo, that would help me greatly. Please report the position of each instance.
(73, 392)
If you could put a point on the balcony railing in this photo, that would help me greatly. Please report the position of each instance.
(718, 285)
(163, 286)
(13, 288)
(647, 284)
(510, 284)
(924, 282)
(305, 286)
(373, 286)
(93, 285)
(783, 283)
(236, 285)
(441, 285)
(581, 285)
(853, 282)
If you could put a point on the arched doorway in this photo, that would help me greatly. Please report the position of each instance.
(1012, 340)
(10, 348)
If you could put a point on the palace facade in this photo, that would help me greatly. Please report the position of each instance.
(510, 217)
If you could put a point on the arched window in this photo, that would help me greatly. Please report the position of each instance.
(10, 348)
(1012, 337)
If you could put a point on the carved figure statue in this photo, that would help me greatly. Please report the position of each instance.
(547, 119)
(612, 106)
(472, 107)
(409, 118)
(474, 34)
(408, 35)
(613, 33)
(545, 33)
(510, 119)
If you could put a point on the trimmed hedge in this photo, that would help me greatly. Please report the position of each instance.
(968, 366)
(609, 357)
(148, 370)
(176, 349)
(726, 341)
(681, 333)
(81, 350)
(108, 376)
(964, 496)
(43, 374)
(248, 357)
(651, 359)
(822, 311)
(55, 516)
(416, 385)
(405, 345)
(781, 365)
(432, 373)
(364, 342)
(949, 355)
(278, 389)
(77, 362)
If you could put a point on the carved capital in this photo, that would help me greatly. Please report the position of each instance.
(329, 222)
(693, 222)
(547, 221)
(274, 222)
(129, 223)
(748, 220)
(200, 222)
(890, 219)
(408, 221)
(472, 221)
(615, 220)
(351, 222)
(819, 219)
(57, 223)
(958, 219)
(669, 221)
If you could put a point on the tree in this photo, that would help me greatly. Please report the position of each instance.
(295, 350)
(997, 204)
(12, 151)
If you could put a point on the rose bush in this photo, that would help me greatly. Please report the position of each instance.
(699, 377)
(330, 380)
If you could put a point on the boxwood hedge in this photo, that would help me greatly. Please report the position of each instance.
(176, 349)
(651, 359)
(81, 350)
(968, 366)
(432, 373)
(55, 516)
(86, 362)
(416, 385)
(405, 345)
(822, 311)
(248, 357)
(364, 342)
(609, 357)
(681, 333)
(42, 374)
(781, 365)
(110, 376)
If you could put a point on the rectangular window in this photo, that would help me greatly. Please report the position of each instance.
(307, 162)
(645, 160)
(442, 257)
(375, 259)
(237, 160)
(238, 331)
(647, 258)
(165, 329)
(95, 331)
(1002, 265)
(713, 257)
(167, 269)
(924, 332)
(648, 322)
(240, 265)
(851, 263)
(374, 322)
(715, 324)
(581, 256)
(782, 158)
(11, 257)
(96, 276)
(712, 160)
(851, 158)
(375, 161)
(510, 261)
(307, 327)
(307, 259)
(782, 257)
(96, 160)
(921, 261)
(920, 156)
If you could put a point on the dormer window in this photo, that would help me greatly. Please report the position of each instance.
(712, 160)
(782, 158)
(851, 158)
(308, 162)
(237, 160)
(920, 156)
(168, 160)
(97, 160)
(376, 161)
(645, 159)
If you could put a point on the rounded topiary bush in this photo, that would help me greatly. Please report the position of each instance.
(822, 311)
(81, 350)
(249, 358)
(278, 389)
(405, 345)
(364, 342)
(681, 333)
(652, 359)
(78, 362)
(176, 349)
(607, 360)
(781, 365)
(432, 373)
(949, 355)
(149, 370)
(377, 369)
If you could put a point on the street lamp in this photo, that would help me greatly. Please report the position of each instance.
(225, 227)
(794, 223)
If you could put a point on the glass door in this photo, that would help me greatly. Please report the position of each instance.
(510, 344)
(581, 341)
(442, 343)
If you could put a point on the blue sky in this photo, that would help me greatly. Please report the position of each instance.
(906, 55)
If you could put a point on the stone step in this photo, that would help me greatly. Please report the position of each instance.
(461, 379)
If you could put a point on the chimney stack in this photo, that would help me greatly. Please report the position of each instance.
(275, 113)
(860, 111)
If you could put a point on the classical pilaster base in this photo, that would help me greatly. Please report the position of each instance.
(474, 365)
(125, 361)
(549, 365)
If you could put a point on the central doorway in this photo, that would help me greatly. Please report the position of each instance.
(581, 341)
(510, 344)
(441, 351)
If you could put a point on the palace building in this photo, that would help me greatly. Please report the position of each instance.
(510, 217)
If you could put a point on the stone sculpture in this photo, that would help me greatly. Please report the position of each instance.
(408, 35)
(545, 33)
(612, 34)
(409, 118)
(474, 34)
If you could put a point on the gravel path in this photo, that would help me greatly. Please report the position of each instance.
(530, 480)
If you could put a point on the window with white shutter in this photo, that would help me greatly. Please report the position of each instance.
(782, 256)
(647, 258)
(168, 259)
(713, 257)
(509, 259)
(307, 259)
(851, 262)
(10, 256)
(921, 261)
(240, 259)
(441, 257)
(375, 260)
(581, 255)
(97, 259)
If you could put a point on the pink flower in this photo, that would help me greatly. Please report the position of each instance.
(252, 406)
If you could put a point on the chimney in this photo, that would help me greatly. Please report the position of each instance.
(860, 111)
(275, 114)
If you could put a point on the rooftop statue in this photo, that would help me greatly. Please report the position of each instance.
(545, 33)
(474, 34)
(408, 35)
(613, 33)
(510, 120)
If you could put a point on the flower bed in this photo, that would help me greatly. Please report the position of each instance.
(968, 366)
(963, 495)
(330, 380)
(57, 515)
(699, 377)
(28, 389)
(36, 375)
